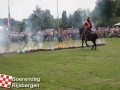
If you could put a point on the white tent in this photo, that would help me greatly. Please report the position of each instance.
(1, 28)
(117, 24)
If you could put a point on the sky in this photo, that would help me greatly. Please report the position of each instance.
(21, 9)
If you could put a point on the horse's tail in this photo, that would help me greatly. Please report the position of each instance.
(82, 36)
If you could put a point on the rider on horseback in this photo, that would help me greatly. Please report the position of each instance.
(88, 26)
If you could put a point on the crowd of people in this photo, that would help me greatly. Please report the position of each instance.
(54, 35)
(108, 32)
(70, 33)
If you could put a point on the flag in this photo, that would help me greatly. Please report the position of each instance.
(9, 24)
(5, 80)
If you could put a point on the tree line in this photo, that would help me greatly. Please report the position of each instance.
(43, 19)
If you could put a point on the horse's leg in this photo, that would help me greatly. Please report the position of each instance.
(94, 44)
(82, 43)
(86, 43)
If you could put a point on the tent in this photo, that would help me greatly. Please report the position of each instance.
(117, 24)
(1, 28)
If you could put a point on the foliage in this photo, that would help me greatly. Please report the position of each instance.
(106, 13)
(64, 24)
(14, 23)
(22, 25)
(78, 17)
(40, 19)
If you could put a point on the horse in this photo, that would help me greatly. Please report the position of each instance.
(91, 36)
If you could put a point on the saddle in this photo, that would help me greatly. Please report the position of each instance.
(88, 36)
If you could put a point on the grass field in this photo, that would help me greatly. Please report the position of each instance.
(68, 69)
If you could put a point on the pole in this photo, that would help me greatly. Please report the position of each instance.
(9, 22)
(57, 14)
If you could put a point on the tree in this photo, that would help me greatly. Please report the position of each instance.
(14, 23)
(78, 17)
(106, 12)
(64, 24)
(22, 25)
(39, 19)
(70, 20)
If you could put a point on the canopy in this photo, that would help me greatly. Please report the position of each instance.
(117, 24)
(1, 28)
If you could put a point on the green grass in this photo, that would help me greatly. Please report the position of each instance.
(68, 69)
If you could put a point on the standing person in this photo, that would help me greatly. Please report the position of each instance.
(88, 26)
(108, 30)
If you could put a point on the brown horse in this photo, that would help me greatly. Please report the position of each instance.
(91, 36)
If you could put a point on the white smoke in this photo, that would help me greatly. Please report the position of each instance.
(3, 40)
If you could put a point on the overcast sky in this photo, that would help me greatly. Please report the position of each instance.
(20, 9)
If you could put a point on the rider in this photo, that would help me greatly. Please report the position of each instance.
(88, 26)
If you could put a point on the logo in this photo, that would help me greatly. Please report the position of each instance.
(5, 80)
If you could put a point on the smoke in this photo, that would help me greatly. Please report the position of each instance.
(33, 40)
(2, 40)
